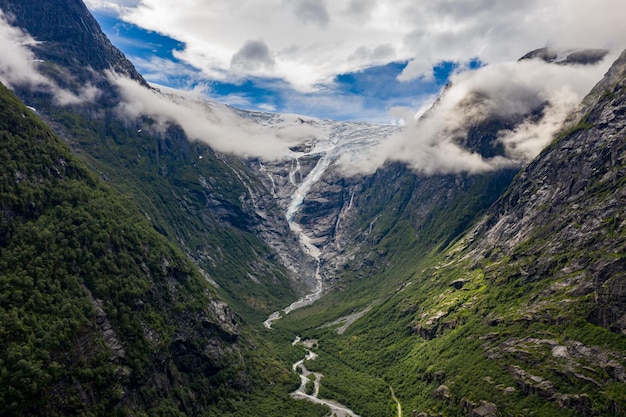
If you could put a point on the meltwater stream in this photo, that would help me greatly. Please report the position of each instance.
(343, 139)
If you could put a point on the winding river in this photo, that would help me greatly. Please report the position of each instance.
(342, 141)
(337, 409)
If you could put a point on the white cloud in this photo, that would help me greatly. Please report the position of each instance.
(509, 91)
(311, 41)
(18, 67)
(214, 124)
(254, 57)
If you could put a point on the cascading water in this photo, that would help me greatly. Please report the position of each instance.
(345, 138)
(342, 139)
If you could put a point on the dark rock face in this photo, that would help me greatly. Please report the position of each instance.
(70, 37)
(563, 57)
(569, 203)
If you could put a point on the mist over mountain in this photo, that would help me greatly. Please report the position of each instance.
(169, 255)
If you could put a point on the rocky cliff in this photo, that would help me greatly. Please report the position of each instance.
(566, 209)
(525, 314)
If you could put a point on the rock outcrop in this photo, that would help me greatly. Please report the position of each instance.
(69, 36)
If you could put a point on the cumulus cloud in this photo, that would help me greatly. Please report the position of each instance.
(18, 67)
(533, 95)
(253, 57)
(218, 126)
(314, 40)
(311, 11)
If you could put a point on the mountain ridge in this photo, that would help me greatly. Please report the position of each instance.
(523, 315)
(456, 324)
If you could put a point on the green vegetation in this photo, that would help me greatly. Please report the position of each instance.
(582, 125)
(491, 340)
(191, 195)
(101, 315)
(310, 385)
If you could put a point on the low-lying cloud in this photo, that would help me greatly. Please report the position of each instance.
(18, 67)
(534, 95)
(219, 126)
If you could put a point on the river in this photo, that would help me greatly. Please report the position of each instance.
(342, 141)
(337, 409)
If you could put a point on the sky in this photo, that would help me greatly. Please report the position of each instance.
(360, 60)
(376, 61)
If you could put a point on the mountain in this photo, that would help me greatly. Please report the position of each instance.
(139, 328)
(524, 315)
(202, 200)
(499, 293)
(99, 312)
(567, 56)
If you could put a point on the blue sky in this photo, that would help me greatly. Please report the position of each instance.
(371, 93)
(342, 59)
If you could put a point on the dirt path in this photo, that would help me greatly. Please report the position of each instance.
(399, 406)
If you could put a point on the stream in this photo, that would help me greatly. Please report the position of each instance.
(342, 141)
(336, 409)
(297, 200)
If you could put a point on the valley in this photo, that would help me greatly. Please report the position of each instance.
(165, 254)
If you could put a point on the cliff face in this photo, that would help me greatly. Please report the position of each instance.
(70, 37)
(566, 209)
